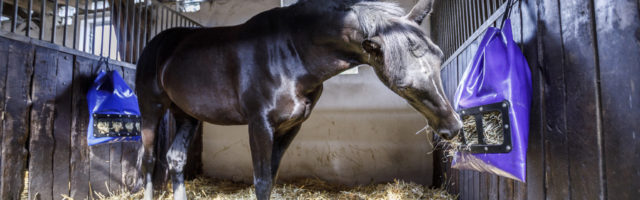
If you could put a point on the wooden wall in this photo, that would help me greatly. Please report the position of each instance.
(584, 141)
(44, 122)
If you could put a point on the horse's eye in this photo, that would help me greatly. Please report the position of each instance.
(417, 49)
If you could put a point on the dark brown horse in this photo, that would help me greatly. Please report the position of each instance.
(268, 73)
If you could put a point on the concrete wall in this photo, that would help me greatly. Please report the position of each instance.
(360, 132)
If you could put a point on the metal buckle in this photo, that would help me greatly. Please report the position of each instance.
(481, 146)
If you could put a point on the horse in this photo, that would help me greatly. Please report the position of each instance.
(268, 73)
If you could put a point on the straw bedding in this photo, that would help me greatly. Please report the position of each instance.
(204, 188)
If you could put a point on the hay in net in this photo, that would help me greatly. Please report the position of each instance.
(469, 129)
(493, 129)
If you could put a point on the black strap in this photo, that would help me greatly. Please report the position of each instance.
(507, 13)
(102, 60)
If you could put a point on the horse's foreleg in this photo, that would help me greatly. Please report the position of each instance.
(261, 143)
(177, 154)
(281, 143)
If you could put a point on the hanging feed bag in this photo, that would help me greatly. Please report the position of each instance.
(493, 99)
(113, 110)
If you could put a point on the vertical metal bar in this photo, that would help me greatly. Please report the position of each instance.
(146, 23)
(43, 17)
(125, 36)
(14, 22)
(30, 8)
(132, 31)
(117, 5)
(86, 24)
(75, 27)
(156, 22)
(95, 20)
(64, 26)
(111, 26)
(138, 31)
(468, 19)
(53, 22)
(163, 19)
(104, 3)
(2, 7)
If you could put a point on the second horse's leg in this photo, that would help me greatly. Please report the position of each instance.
(177, 154)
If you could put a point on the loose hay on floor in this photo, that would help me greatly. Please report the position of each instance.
(203, 188)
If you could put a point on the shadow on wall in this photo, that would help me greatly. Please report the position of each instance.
(360, 132)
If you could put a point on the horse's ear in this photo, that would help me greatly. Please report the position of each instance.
(372, 46)
(420, 11)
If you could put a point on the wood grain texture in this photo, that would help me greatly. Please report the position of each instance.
(62, 124)
(99, 156)
(131, 175)
(42, 141)
(618, 33)
(79, 162)
(555, 141)
(16, 119)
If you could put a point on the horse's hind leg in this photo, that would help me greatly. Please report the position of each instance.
(177, 154)
(152, 109)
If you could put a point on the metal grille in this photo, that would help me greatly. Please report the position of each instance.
(455, 21)
(116, 29)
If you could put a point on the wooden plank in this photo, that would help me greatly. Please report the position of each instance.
(535, 150)
(581, 100)
(4, 59)
(493, 187)
(62, 123)
(79, 161)
(131, 175)
(555, 136)
(505, 188)
(115, 154)
(618, 33)
(41, 144)
(99, 156)
(16, 119)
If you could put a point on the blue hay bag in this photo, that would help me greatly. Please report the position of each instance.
(114, 115)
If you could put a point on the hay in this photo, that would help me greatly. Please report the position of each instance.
(493, 133)
(203, 188)
(492, 125)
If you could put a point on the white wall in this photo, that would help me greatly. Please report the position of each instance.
(360, 132)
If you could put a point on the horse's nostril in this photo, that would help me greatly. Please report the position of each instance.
(446, 134)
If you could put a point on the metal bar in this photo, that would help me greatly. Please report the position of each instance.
(104, 3)
(86, 23)
(64, 26)
(146, 23)
(138, 31)
(125, 36)
(111, 26)
(468, 18)
(75, 27)
(95, 20)
(14, 22)
(163, 19)
(117, 5)
(132, 32)
(42, 17)
(30, 8)
(53, 22)
(156, 22)
(2, 7)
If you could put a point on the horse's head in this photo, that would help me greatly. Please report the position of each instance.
(406, 60)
